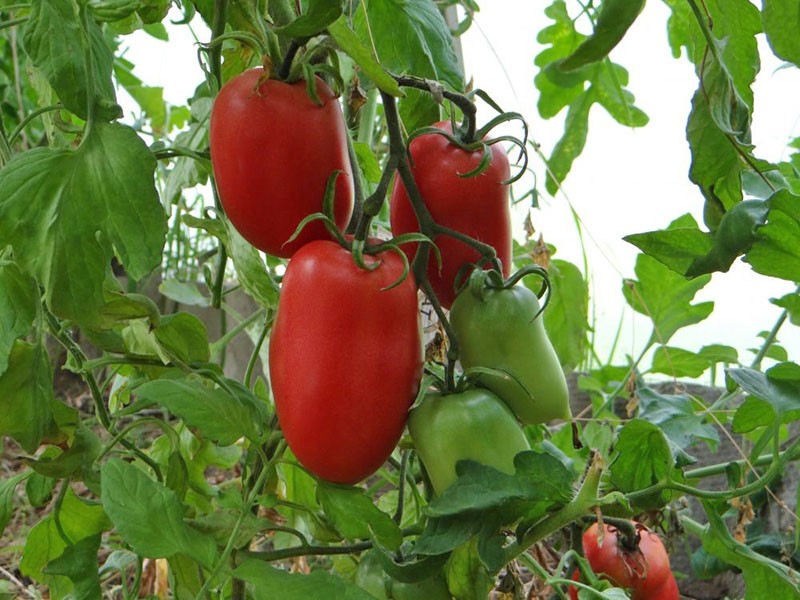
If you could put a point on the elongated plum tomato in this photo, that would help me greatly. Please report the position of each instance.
(345, 359)
(476, 206)
(272, 151)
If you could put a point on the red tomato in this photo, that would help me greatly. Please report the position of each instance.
(645, 570)
(477, 206)
(345, 360)
(273, 150)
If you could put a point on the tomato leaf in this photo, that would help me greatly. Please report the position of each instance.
(218, 415)
(678, 246)
(149, 516)
(467, 577)
(66, 213)
(78, 562)
(763, 576)
(73, 55)
(251, 270)
(678, 362)
(269, 582)
(790, 302)
(427, 50)
(778, 388)
(641, 458)
(318, 15)
(184, 337)
(78, 519)
(566, 318)
(19, 296)
(615, 17)
(665, 297)
(26, 395)
(355, 516)
(775, 251)
(780, 19)
(7, 489)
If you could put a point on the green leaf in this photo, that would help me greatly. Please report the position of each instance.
(150, 99)
(763, 577)
(790, 302)
(149, 516)
(19, 297)
(775, 251)
(251, 270)
(665, 297)
(66, 213)
(678, 362)
(77, 459)
(719, 353)
(677, 246)
(677, 417)
(355, 516)
(269, 583)
(26, 395)
(641, 458)
(351, 44)
(781, 19)
(467, 577)
(78, 519)
(184, 337)
(566, 319)
(7, 490)
(317, 16)
(79, 563)
(779, 388)
(615, 17)
(73, 55)
(218, 415)
(572, 143)
(183, 292)
(426, 49)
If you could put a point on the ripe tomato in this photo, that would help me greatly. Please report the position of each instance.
(477, 206)
(273, 150)
(345, 359)
(644, 570)
(474, 424)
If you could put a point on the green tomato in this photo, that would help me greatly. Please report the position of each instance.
(501, 337)
(474, 424)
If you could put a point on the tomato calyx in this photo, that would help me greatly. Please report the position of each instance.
(482, 280)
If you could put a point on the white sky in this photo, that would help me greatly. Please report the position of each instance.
(626, 181)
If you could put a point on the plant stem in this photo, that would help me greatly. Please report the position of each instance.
(24, 123)
(251, 364)
(770, 339)
(434, 88)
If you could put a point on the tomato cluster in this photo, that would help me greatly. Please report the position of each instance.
(345, 352)
(640, 565)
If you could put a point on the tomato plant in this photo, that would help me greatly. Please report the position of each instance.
(501, 336)
(273, 149)
(345, 359)
(477, 205)
(473, 424)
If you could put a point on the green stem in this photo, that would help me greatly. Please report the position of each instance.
(229, 546)
(238, 328)
(303, 550)
(609, 402)
(464, 103)
(12, 23)
(721, 468)
(251, 364)
(581, 504)
(24, 123)
(366, 118)
(770, 339)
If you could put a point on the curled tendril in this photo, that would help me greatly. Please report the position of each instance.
(240, 36)
(406, 266)
(358, 256)
(480, 280)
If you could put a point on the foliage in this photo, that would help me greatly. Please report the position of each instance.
(176, 462)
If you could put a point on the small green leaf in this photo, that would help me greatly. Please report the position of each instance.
(567, 316)
(719, 353)
(665, 298)
(184, 337)
(779, 388)
(19, 297)
(351, 44)
(26, 395)
(79, 563)
(149, 516)
(790, 302)
(642, 457)
(615, 17)
(467, 577)
(317, 16)
(775, 251)
(183, 292)
(269, 583)
(218, 415)
(678, 362)
(355, 516)
(250, 269)
(8, 488)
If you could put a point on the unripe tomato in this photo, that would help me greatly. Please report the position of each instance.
(345, 359)
(496, 329)
(476, 206)
(645, 570)
(474, 425)
(273, 150)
